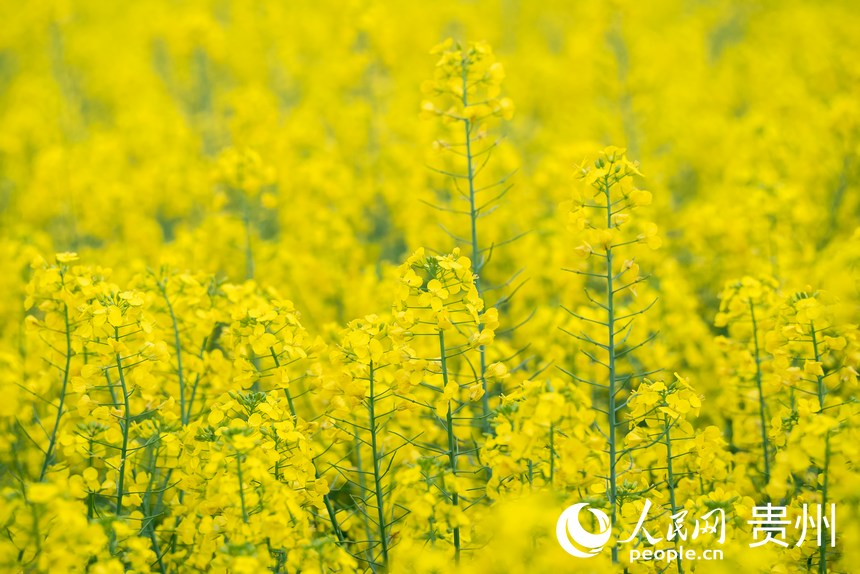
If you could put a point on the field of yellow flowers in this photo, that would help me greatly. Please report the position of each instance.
(306, 287)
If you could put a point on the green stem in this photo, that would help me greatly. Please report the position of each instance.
(155, 548)
(610, 347)
(37, 535)
(476, 251)
(332, 514)
(178, 344)
(126, 423)
(329, 506)
(821, 389)
(91, 497)
(822, 548)
(551, 454)
(149, 512)
(202, 353)
(362, 484)
(670, 478)
(114, 401)
(241, 487)
(49, 453)
(377, 471)
(286, 390)
(452, 441)
(761, 402)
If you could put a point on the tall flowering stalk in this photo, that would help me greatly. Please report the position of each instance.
(659, 415)
(439, 302)
(466, 94)
(182, 296)
(367, 392)
(53, 289)
(109, 360)
(814, 358)
(402, 389)
(747, 309)
(601, 216)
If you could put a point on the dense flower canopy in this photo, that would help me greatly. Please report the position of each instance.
(379, 286)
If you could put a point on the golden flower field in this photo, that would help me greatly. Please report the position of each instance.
(381, 287)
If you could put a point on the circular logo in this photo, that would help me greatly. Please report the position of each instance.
(569, 530)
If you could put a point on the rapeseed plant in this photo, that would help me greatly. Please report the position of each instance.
(601, 215)
(466, 86)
